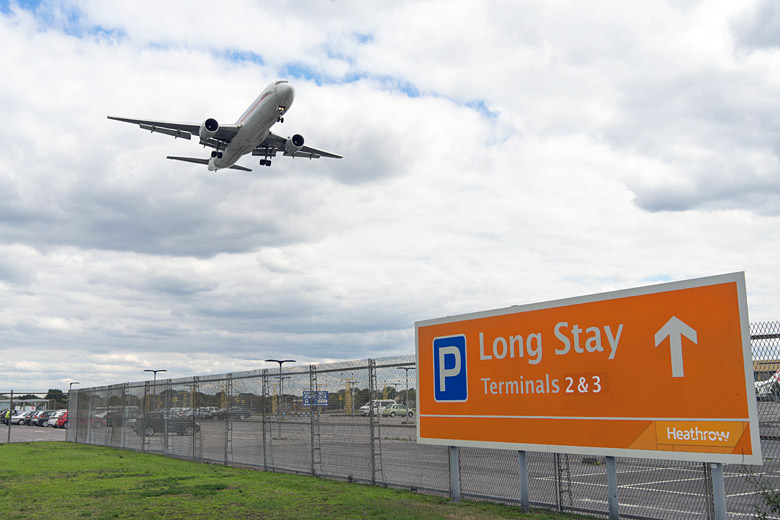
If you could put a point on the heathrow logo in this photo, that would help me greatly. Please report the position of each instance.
(699, 433)
(449, 369)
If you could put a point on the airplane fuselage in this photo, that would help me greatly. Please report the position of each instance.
(255, 123)
(251, 134)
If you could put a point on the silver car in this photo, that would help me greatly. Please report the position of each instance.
(19, 417)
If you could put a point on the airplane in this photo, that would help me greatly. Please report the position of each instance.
(250, 134)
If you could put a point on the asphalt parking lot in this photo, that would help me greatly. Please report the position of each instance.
(31, 434)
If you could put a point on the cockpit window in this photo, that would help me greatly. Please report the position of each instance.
(281, 81)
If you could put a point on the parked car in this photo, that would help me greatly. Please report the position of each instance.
(205, 412)
(99, 420)
(397, 410)
(116, 416)
(768, 390)
(18, 418)
(235, 412)
(29, 417)
(40, 418)
(52, 420)
(378, 404)
(155, 422)
(62, 421)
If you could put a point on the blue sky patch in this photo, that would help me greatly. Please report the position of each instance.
(27, 5)
(238, 56)
(364, 38)
(403, 86)
(298, 70)
(482, 108)
(69, 20)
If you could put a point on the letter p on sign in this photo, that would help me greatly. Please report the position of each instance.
(449, 369)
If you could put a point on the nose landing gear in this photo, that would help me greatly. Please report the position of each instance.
(265, 162)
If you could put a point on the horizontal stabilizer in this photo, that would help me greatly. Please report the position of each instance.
(198, 160)
(189, 159)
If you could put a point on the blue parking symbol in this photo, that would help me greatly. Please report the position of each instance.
(449, 369)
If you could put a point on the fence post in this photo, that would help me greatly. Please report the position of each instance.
(612, 490)
(90, 415)
(144, 411)
(263, 404)
(371, 390)
(454, 474)
(10, 407)
(312, 390)
(718, 491)
(126, 387)
(194, 407)
(522, 466)
(73, 416)
(558, 497)
(166, 412)
(229, 403)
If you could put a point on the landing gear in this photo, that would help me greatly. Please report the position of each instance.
(265, 162)
(280, 116)
(216, 154)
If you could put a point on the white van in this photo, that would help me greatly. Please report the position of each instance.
(378, 404)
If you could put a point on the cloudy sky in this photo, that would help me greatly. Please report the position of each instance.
(495, 153)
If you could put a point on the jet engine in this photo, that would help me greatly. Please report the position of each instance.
(208, 128)
(293, 144)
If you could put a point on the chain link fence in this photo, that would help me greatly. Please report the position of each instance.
(318, 420)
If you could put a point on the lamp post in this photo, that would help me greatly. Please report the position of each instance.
(406, 395)
(279, 410)
(154, 384)
(70, 388)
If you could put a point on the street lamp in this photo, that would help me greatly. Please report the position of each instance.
(70, 389)
(154, 384)
(406, 396)
(279, 411)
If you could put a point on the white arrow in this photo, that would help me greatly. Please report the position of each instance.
(675, 330)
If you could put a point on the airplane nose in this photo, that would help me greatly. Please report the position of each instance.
(286, 91)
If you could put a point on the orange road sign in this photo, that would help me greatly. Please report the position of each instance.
(659, 372)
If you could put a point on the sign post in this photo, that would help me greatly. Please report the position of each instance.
(612, 489)
(658, 372)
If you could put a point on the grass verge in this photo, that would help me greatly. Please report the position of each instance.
(66, 480)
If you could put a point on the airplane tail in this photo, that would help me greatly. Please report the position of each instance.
(198, 160)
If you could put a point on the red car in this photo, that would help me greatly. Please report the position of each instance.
(62, 421)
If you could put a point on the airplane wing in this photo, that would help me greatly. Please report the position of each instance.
(274, 144)
(184, 130)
